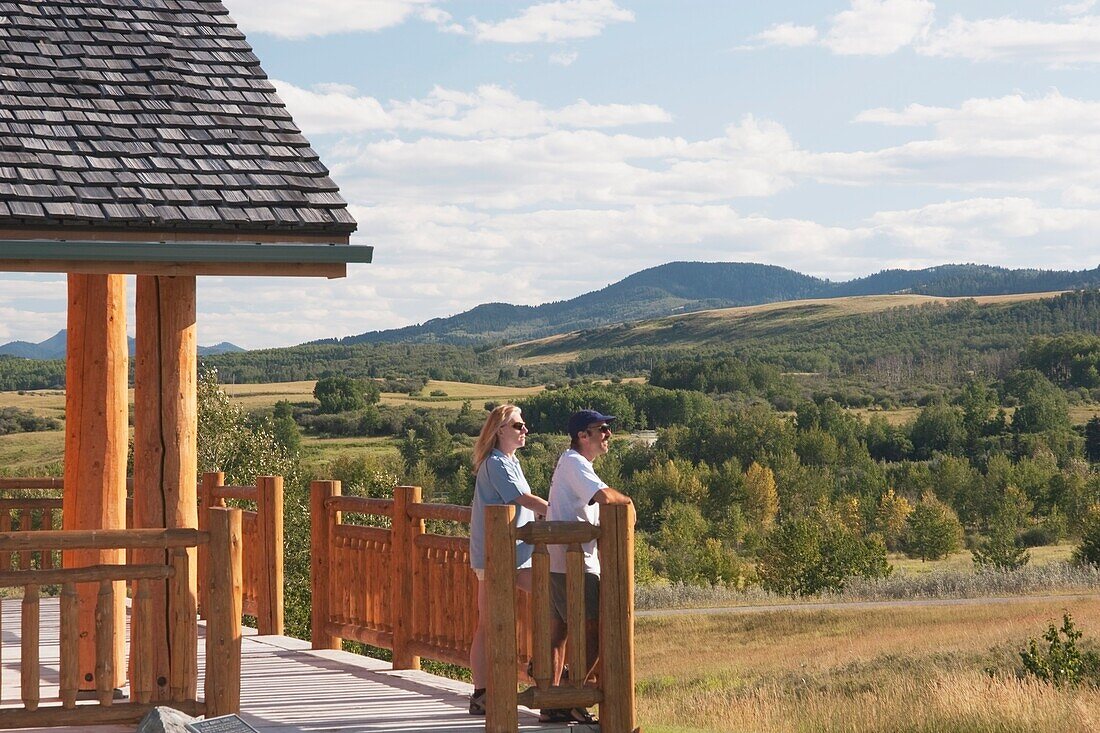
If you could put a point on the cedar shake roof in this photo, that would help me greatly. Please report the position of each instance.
(149, 115)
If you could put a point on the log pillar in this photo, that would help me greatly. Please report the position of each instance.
(165, 450)
(95, 447)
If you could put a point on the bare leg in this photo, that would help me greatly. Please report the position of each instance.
(478, 672)
(558, 631)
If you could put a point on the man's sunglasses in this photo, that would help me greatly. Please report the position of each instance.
(605, 429)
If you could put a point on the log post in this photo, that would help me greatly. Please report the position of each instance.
(403, 532)
(211, 480)
(269, 522)
(501, 714)
(320, 566)
(95, 444)
(616, 546)
(223, 643)
(165, 451)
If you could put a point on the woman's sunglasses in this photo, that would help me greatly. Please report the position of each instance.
(519, 426)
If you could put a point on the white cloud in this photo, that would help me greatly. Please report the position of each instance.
(1001, 39)
(882, 27)
(552, 22)
(878, 27)
(787, 34)
(1079, 8)
(305, 18)
(563, 58)
(488, 111)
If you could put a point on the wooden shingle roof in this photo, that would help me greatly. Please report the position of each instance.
(149, 115)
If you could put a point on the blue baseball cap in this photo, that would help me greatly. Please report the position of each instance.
(580, 420)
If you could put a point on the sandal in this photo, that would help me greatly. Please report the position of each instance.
(477, 702)
(555, 715)
(566, 715)
(580, 715)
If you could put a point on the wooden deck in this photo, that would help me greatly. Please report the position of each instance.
(285, 687)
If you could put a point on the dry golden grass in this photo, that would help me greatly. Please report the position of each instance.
(458, 392)
(42, 402)
(26, 454)
(908, 668)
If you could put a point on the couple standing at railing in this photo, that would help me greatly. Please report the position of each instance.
(575, 492)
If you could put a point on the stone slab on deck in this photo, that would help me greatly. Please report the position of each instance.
(287, 687)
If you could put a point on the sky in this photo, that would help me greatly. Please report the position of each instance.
(527, 152)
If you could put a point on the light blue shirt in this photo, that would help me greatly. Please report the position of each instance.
(500, 480)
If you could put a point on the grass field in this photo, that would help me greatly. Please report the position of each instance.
(911, 668)
(965, 560)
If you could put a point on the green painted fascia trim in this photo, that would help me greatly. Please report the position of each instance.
(194, 252)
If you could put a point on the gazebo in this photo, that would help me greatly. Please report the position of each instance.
(142, 137)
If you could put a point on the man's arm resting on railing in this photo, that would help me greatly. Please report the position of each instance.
(608, 495)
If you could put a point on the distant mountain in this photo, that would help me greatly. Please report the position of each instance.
(680, 287)
(54, 348)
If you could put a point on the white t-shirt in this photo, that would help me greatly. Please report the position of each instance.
(571, 489)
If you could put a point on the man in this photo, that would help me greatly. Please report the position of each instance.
(575, 493)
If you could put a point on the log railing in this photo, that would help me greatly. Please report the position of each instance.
(395, 587)
(223, 633)
(263, 544)
(30, 513)
(613, 687)
(263, 534)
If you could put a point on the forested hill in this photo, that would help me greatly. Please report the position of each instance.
(680, 287)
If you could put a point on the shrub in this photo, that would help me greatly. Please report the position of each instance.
(1001, 551)
(1061, 663)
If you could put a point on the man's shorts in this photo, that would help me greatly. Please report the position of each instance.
(591, 596)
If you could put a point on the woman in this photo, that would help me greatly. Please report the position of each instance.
(500, 480)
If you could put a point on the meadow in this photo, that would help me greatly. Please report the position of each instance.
(909, 668)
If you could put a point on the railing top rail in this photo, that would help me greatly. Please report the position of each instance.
(32, 483)
(360, 505)
(86, 574)
(247, 493)
(31, 503)
(100, 539)
(445, 512)
(557, 533)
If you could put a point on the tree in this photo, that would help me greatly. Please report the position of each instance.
(341, 394)
(938, 429)
(934, 530)
(890, 518)
(1092, 439)
(810, 554)
(761, 496)
(1000, 551)
(228, 442)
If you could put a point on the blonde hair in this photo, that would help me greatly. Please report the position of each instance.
(487, 439)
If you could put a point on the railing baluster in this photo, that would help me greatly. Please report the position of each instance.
(576, 648)
(540, 616)
(29, 666)
(141, 642)
(183, 639)
(70, 645)
(105, 642)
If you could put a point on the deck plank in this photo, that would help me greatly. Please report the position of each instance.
(288, 688)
